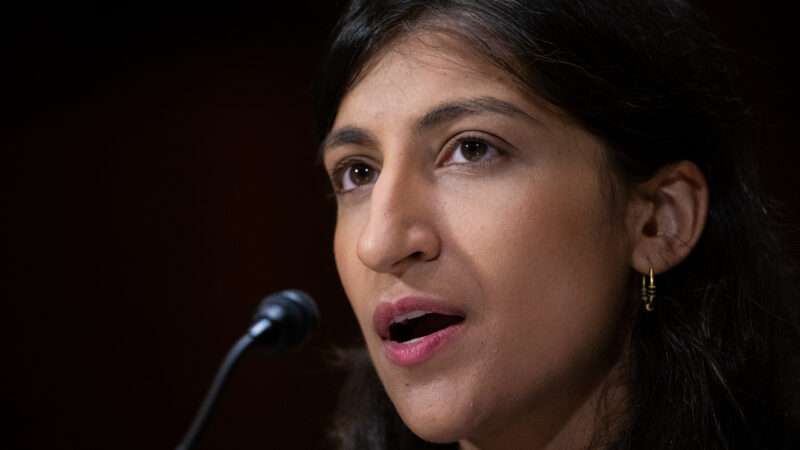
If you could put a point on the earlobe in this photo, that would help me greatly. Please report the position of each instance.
(666, 216)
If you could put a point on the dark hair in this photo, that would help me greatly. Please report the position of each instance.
(714, 367)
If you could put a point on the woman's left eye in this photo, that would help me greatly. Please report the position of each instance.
(471, 150)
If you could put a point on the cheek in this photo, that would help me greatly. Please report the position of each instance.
(550, 264)
(361, 285)
(350, 271)
(550, 270)
(531, 225)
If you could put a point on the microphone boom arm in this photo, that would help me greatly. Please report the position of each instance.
(283, 321)
(200, 419)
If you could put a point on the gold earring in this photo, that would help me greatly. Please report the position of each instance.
(649, 291)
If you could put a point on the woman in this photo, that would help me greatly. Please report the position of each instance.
(548, 231)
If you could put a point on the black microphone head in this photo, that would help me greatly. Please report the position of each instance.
(292, 315)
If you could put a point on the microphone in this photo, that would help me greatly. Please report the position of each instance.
(283, 321)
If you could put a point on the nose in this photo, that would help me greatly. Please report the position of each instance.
(401, 229)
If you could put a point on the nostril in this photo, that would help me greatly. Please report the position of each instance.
(393, 240)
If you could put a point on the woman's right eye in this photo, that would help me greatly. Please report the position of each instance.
(352, 175)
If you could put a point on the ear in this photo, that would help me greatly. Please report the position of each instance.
(666, 216)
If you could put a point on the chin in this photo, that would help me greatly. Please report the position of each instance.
(440, 427)
(436, 413)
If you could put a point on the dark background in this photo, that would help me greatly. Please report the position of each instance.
(158, 178)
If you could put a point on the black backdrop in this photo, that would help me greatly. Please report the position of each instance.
(158, 178)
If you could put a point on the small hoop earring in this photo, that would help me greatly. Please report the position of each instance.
(649, 291)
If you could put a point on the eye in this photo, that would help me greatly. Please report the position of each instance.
(350, 175)
(471, 150)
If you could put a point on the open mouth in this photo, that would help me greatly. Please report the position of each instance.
(420, 324)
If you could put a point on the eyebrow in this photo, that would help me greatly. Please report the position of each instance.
(439, 115)
(451, 111)
(348, 135)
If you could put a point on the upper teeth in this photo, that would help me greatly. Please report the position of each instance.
(409, 316)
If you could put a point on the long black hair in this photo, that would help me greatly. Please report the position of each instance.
(715, 366)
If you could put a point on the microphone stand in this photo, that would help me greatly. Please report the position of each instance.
(201, 418)
(283, 320)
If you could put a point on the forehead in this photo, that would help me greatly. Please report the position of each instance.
(418, 71)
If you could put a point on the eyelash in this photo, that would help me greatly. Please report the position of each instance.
(342, 167)
(469, 138)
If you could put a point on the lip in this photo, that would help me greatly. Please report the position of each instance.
(417, 350)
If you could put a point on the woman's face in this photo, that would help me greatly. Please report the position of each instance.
(478, 241)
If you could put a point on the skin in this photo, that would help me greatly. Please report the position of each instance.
(525, 238)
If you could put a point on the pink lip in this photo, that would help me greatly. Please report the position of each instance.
(421, 349)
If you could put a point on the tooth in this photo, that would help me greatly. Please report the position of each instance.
(409, 316)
